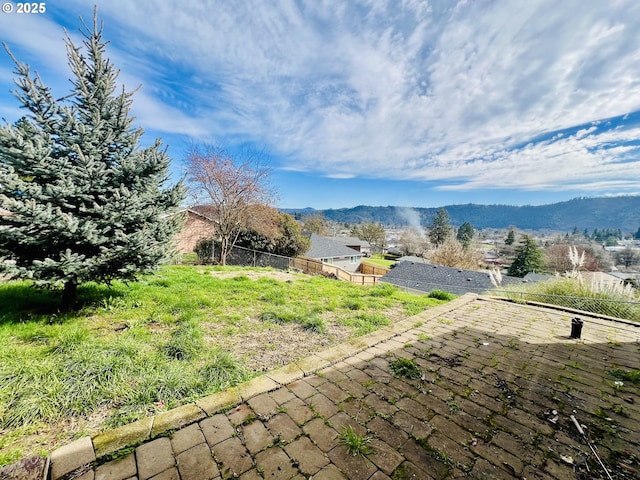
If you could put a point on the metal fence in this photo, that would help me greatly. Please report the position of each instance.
(628, 310)
(599, 306)
(252, 258)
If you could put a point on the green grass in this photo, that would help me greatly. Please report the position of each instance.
(135, 349)
(379, 260)
(356, 444)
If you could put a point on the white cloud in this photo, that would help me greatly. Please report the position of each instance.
(408, 90)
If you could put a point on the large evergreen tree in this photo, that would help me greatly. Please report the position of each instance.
(440, 228)
(511, 237)
(86, 202)
(529, 258)
(465, 234)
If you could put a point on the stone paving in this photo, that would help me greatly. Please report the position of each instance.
(478, 388)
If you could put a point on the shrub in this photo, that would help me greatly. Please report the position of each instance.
(441, 295)
(205, 250)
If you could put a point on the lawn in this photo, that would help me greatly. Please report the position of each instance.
(379, 261)
(183, 333)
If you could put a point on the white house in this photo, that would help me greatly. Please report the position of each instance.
(333, 252)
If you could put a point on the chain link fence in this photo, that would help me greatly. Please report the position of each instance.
(628, 310)
(253, 258)
(599, 306)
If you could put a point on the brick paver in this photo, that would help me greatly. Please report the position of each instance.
(497, 385)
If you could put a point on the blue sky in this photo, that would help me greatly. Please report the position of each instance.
(399, 102)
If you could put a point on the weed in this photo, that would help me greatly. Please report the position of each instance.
(632, 376)
(356, 444)
(424, 336)
(403, 367)
(366, 322)
(441, 295)
(353, 304)
(278, 441)
(315, 324)
(445, 321)
(185, 343)
(383, 290)
(453, 406)
(619, 410)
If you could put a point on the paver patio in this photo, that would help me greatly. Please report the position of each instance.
(498, 383)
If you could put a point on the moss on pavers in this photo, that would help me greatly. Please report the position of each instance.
(335, 354)
(256, 386)
(217, 402)
(176, 418)
(73, 456)
(287, 374)
(312, 364)
(110, 441)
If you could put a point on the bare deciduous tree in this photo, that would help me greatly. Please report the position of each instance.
(229, 187)
(628, 257)
(451, 253)
(315, 223)
(413, 243)
(373, 233)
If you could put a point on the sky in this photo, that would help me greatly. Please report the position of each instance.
(373, 102)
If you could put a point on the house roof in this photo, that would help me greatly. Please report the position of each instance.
(411, 258)
(349, 241)
(189, 210)
(537, 277)
(326, 247)
(427, 277)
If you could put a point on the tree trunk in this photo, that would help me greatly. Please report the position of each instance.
(69, 295)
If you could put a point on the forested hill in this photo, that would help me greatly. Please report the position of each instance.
(589, 213)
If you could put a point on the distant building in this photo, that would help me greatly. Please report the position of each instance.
(361, 246)
(427, 277)
(197, 226)
(333, 252)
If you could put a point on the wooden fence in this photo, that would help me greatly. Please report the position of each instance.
(368, 269)
(316, 267)
(247, 257)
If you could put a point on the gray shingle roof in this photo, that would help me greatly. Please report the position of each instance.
(352, 241)
(325, 247)
(427, 277)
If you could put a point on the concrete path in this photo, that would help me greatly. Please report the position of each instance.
(488, 391)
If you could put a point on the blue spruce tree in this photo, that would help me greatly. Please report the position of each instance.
(86, 202)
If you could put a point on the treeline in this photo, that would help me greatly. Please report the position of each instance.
(587, 213)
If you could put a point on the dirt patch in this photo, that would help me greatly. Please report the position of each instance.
(278, 345)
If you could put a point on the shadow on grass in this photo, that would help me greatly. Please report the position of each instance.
(21, 301)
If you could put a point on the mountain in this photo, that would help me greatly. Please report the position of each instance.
(589, 213)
